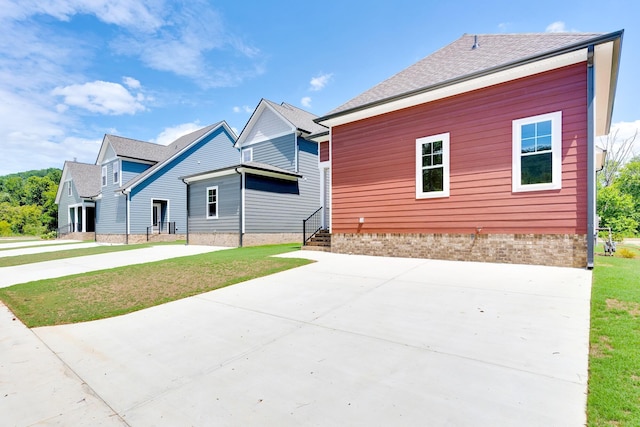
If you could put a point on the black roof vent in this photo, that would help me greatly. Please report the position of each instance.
(476, 45)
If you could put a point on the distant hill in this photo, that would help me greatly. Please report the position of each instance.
(27, 202)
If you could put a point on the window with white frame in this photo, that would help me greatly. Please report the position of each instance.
(212, 202)
(247, 155)
(116, 172)
(537, 153)
(69, 189)
(104, 176)
(432, 166)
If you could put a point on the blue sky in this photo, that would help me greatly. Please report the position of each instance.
(73, 70)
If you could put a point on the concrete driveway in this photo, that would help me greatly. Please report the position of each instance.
(349, 340)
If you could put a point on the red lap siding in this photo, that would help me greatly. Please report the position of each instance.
(373, 163)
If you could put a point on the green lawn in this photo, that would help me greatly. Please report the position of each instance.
(108, 293)
(71, 253)
(614, 360)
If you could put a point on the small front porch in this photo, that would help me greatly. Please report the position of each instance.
(81, 222)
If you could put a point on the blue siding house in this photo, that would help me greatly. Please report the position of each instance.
(265, 197)
(140, 195)
(78, 188)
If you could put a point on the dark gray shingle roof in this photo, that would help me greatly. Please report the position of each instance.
(459, 59)
(86, 178)
(134, 149)
(301, 119)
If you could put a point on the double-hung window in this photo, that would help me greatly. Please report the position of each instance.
(116, 172)
(537, 153)
(212, 202)
(247, 155)
(69, 189)
(432, 166)
(104, 176)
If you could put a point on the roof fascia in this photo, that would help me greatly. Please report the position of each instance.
(457, 86)
(607, 65)
(142, 177)
(103, 150)
(255, 117)
(63, 178)
(319, 137)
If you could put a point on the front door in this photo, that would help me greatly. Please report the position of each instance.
(157, 216)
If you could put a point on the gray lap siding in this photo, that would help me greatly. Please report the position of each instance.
(280, 152)
(110, 208)
(228, 205)
(279, 206)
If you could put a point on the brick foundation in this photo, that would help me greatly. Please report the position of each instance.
(78, 235)
(249, 239)
(138, 238)
(563, 250)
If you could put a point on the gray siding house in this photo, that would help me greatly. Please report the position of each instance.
(79, 185)
(264, 198)
(139, 194)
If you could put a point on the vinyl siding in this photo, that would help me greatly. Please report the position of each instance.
(324, 151)
(373, 163)
(228, 205)
(132, 169)
(111, 207)
(279, 206)
(66, 201)
(268, 126)
(280, 152)
(214, 152)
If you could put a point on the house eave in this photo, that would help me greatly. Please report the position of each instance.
(506, 72)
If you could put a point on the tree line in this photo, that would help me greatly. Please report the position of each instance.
(27, 202)
(618, 203)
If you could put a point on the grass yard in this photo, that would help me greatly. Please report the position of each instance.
(71, 253)
(117, 291)
(614, 359)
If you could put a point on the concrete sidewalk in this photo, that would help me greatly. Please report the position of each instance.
(6, 244)
(349, 340)
(45, 249)
(65, 267)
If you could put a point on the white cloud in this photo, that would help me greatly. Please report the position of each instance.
(131, 83)
(623, 131)
(168, 135)
(101, 97)
(558, 27)
(142, 16)
(504, 26)
(306, 101)
(243, 109)
(319, 82)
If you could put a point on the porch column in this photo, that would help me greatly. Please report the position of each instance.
(84, 218)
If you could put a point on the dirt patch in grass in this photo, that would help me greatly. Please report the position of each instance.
(602, 348)
(633, 308)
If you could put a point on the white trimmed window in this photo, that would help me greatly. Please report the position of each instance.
(432, 166)
(116, 172)
(104, 176)
(247, 155)
(212, 202)
(537, 153)
(69, 189)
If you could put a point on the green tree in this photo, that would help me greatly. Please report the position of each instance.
(617, 210)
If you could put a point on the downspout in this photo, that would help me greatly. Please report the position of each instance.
(188, 205)
(240, 208)
(591, 161)
(126, 217)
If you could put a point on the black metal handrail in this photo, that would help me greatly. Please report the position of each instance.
(167, 227)
(311, 225)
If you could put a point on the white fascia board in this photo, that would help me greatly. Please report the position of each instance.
(209, 175)
(484, 81)
(63, 179)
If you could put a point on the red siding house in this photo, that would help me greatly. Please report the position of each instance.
(482, 151)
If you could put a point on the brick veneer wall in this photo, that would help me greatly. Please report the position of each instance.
(563, 250)
(249, 239)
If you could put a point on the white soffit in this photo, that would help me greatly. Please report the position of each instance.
(464, 86)
(603, 62)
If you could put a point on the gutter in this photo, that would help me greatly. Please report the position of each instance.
(591, 157)
(567, 49)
